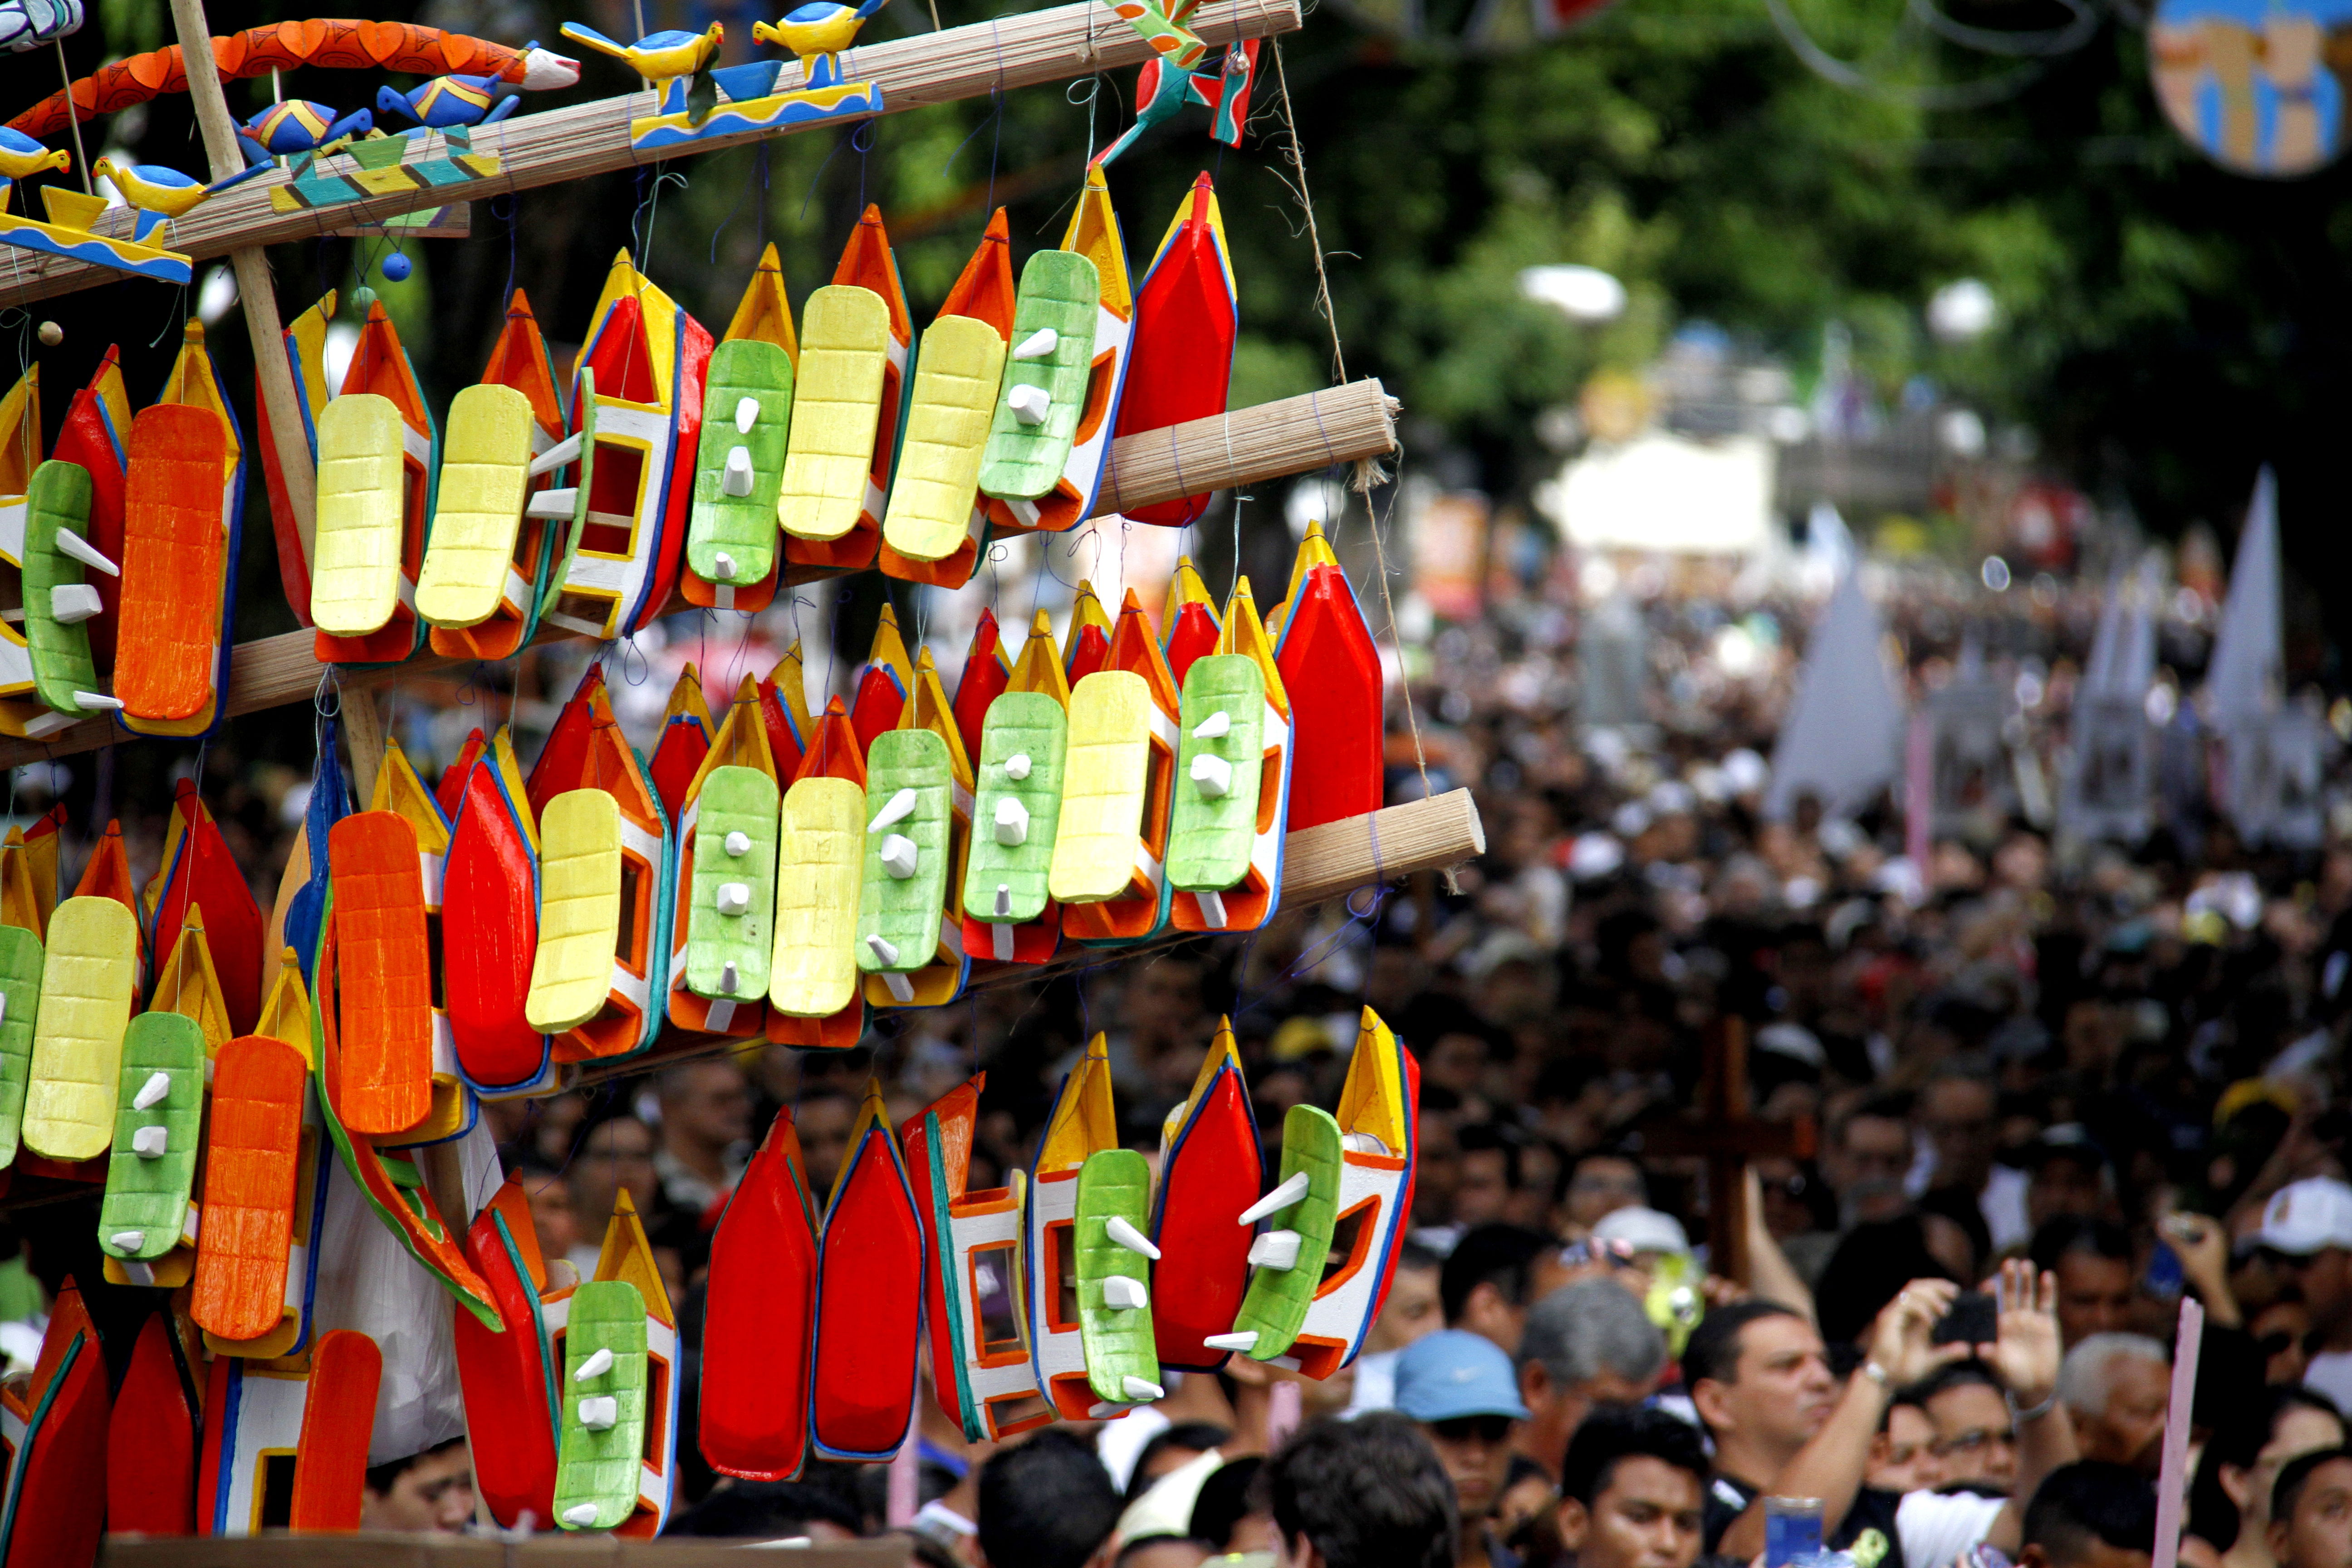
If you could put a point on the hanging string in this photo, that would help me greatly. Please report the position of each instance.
(1298, 160)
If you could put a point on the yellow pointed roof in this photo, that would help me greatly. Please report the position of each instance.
(509, 766)
(398, 789)
(657, 316)
(1372, 1099)
(889, 651)
(871, 1113)
(742, 740)
(191, 381)
(190, 986)
(286, 1013)
(928, 708)
(20, 432)
(1084, 1121)
(765, 312)
(1221, 1051)
(628, 1257)
(1094, 234)
(1244, 634)
(18, 906)
(685, 699)
(790, 679)
(1185, 588)
(1086, 611)
(1039, 668)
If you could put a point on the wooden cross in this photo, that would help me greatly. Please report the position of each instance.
(1726, 1137)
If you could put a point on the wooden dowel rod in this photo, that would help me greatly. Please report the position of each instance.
(1338, 424)
(1319, 863)
(580, 140)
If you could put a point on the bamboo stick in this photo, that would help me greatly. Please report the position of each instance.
(1319, 863)
(255, 291)
(1338, 424)
(585, 139)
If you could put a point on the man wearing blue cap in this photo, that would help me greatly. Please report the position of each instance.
(1461, 1389)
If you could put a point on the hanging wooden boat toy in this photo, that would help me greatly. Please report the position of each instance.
(489, 929)
(1094, 236)
(383, 1083)
(199, 872)
(986, 669)
(508, 1376)
(1009, 914)
(147, 1220)
(621, 1407)
(28, 872)
(685, 741)
(1331, 668)
(1085, 646)
(394, 1187)
(1188, 621)
(878, 695)
(1336, 1218)
(815, 993)
(934, 525)
(1083, 1124)
(870, 1298)
(187, 984)
(305, 358)
(153, 1434)
(722, 932)
(498, 519)
(732, 547)
(264, 1187)
(338, 1414)
(1211, 1169)
(783, 708)
(398, 791)
(24, 711)
(1233, 781)
(379, 456)
(89, 977)
(67, 232)
(1109, 872)
(1186, 318)
(637, 407)
(53, 1432)
(57, 507)
(759, 1317)
(971, 1283)
(96, 436)
(855, 339)
(285, 1441)
(563, 754)
(21, 962)
(605, 880)
(1113, 1254)
(918, 834)
(1043, 392)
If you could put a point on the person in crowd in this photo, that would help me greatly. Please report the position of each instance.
(1412, 1309)
(2311, 1511)
(2116, 1387)
(614, 1154)
(1487, 1172)
(1600, 1182)
(1903, 1455)
(431, 1493)
(2066, 1175)
(1367, 1493)
(821, 1120)
(2093, 1260)
(1046, 1502)
(1488, 1281)
(1955, 1114)
(1632, 1491)
(2090, 1514)
(1976, 1437)
(1585, 1344)
(2254, 1439)
(706, 1131)
(1457, 1386)
(1868, 1157)
(2309, 1225)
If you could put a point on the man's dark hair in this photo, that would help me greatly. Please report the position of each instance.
(2292, 1476)
(1047, 1503)
(1713, 1348)
(381, 1478)
(1480, 1136)
(1231, 1493)
(766, 1511)
(1958, 1374)
(1496, 1254)
(1615, 1432)
(1192, 1437)
(2077, 1233)
(1369, 1493)
(1411, 1254)
(2091, 1499)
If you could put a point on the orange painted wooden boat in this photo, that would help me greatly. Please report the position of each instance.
(338, 1414)
(985, 671)
(1039, 669)
(97, 434)
(512, 1376)
(880, 694)
(783, 708)
(400, 791)
(833, 753)
(176, 625)
(53, 1429)
(253, 1162)
(759, 1317)
(685, 742)
(984, 291)
(199, 872)
(152, 1435)
(519, 360)
(1331, 668)
(1188, 624)
(971, 1285)
(380, 365)
(1212, 1167)
(1143, 909)
(587, 750)
(741, 742)
(763, 316)
(489, 923)
(870, 1298)
(867, 263)
(384, 1070)
(1186, 319)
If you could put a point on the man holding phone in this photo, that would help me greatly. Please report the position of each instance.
(1759, 1379)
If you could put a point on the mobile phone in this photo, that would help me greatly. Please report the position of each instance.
(2164, 1280)
(1974, 1319)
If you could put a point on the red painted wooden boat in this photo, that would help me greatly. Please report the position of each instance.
(510, 1376)
(1086, 647)
(870, 1298)
(1186, 318)
(759, 1317)
(53, 1428)
(985, 671)
(1188, 624)
(97, 430)
(783, 708)
(489, 924)
(1331, 671)
(685, 741)
(152, 1436)
(563, 756)
(338, 1415)
(199, 871)
(1212, 1167)
(884, 683)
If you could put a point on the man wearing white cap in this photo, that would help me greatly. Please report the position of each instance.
(2310, 1223)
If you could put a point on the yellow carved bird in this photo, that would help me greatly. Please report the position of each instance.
(657, 57)
(21, 157)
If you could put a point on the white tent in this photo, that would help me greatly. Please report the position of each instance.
(2244, 679)
(1843, 736)
(2112, 767)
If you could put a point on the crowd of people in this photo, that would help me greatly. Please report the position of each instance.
(2036, 1092)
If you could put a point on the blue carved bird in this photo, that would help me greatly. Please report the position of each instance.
(297, 125)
